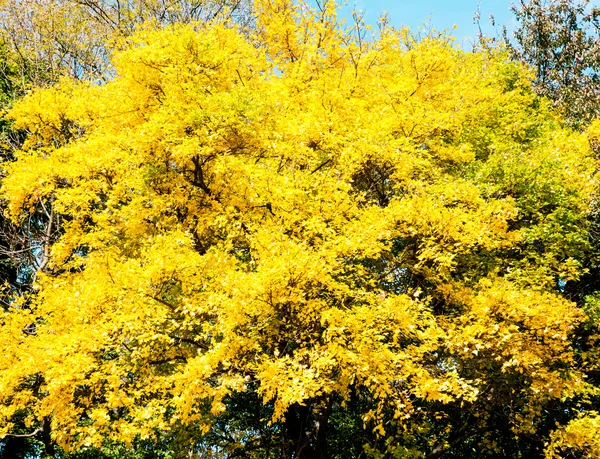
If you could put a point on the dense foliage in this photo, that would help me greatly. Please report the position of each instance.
(304, 241)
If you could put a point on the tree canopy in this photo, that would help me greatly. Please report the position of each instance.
(302, 241)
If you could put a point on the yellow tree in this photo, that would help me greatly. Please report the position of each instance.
(307, 218)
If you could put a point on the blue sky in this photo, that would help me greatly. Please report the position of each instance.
(443, 13)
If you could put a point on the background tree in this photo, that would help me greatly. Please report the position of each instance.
(50, 39)
(561, 40)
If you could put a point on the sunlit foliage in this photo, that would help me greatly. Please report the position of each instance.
(299, 224)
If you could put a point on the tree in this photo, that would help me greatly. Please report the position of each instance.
(50, 39)
(285, 242)
(561, 40)
(41, 42)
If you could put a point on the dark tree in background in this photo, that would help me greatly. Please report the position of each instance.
(561, 40)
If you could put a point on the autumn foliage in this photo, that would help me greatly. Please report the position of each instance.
(324, 227)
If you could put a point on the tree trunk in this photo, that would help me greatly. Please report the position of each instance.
(298, 432)
(306, 431)
(322, 428)
(47, 439)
